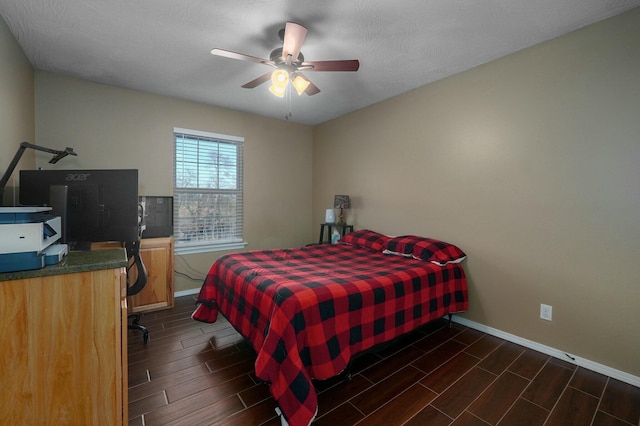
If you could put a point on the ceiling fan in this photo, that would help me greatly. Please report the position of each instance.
(289, 63)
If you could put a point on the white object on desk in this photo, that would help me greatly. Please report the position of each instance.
(330, 216)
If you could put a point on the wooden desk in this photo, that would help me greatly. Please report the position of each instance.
(63, 342)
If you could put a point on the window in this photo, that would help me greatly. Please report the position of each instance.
(207, 192)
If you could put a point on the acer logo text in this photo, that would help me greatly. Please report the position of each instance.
(76, 177)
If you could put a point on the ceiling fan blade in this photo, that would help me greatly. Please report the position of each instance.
(312, 89)
(339, 65)
(240, 56)
(294, 35)
(258, 81)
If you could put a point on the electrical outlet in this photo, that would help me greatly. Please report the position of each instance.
(546, 312)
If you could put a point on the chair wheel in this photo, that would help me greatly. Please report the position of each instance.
(143, 329)
(136, 319)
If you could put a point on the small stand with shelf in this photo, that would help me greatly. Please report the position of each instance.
(343, 228)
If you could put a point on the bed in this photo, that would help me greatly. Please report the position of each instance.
(308, 311)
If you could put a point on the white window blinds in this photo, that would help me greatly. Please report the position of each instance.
(207, 188)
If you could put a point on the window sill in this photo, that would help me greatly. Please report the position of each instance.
(208, 247)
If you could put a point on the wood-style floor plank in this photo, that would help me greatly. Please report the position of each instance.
(548, 385)
(463, 392)
(525, 413)
(192, 373)
(574, 407)
(621, 400)
(449, 372)
(496, 400)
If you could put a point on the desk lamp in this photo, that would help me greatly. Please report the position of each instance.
(58, 154)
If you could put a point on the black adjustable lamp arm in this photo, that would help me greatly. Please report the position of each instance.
(23, 146)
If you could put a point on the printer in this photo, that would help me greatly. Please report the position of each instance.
(28, 237)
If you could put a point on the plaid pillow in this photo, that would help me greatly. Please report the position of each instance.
(401, 246)
(365, 238)
(429, 249)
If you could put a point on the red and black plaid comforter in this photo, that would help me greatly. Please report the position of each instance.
(308, 311)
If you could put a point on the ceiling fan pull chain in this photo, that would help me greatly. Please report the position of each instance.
(289, 114)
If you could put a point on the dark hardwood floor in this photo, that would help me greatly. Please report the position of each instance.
(191, 373)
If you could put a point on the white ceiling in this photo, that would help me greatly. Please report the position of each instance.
(163, 46)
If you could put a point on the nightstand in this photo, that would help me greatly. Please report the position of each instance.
(342, 228)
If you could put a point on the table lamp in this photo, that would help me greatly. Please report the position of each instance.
(341, 202)
(330, 216)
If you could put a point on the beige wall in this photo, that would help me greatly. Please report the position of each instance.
(17, 122)
(531, 164)
(111, 127)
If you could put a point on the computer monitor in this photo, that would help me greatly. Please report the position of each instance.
(158, 216)
(94, 205)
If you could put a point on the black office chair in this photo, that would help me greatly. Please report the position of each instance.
(133, 254)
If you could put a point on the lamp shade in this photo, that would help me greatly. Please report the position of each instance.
(300, 84)
(280, 79)
(330, 216)
(342, 202)
(277, 90)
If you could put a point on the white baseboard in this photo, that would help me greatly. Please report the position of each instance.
(557, 353)
(186, 292)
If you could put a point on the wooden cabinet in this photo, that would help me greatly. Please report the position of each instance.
(157, 256)
(63, 348)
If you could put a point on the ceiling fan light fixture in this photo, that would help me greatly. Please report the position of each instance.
(280, 78)
(288, 62)
(300, 83)
(277, 90)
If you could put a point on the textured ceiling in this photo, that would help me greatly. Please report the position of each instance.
(163, 46)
